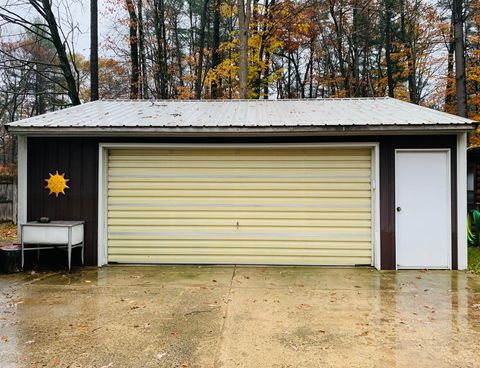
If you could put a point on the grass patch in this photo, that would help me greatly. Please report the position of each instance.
(474, 259)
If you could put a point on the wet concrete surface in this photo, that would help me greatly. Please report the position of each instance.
(165, 316)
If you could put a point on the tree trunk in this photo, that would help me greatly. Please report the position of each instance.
(141, 46)
(266, 74)
(164, 62)
(244, 11)
(133, 41)
(93, 50)
(312, 51)
(407, 40)
(178, 51)
(461, 83)
(215, 46)
(388, 49)
(338, 23)
(201, 50)
(40, 107)
(449, 95)
(160, 67)
(356, 48)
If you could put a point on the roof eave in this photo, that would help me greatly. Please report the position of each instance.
(247, 131)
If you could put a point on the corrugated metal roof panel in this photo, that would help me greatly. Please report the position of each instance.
(178, 114)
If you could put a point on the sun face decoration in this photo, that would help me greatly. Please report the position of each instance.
(57, 183)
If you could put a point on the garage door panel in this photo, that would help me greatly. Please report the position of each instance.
(234, 154)
(242, 251)
(239, 165)
(239, 243)
(236, 192)
(276, 206)
(250, 232)
(216, 185)
(245, 222)
(233, 202)
(251, 259)
(155, 178)
(253, 236)
(214, 174)
(248, 215)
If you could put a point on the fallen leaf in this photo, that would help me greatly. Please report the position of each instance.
(5, 338)
(137, 306)
(304, 306)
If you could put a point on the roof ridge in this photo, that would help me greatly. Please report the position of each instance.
(247, 100)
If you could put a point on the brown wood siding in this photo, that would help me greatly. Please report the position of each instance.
(78, 158)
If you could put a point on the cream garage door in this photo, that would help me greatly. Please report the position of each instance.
(309, 206)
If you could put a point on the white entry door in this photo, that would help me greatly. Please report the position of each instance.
(423, 209)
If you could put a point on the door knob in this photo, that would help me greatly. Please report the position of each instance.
(399, 209)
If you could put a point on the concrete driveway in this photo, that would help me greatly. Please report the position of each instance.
(167, 316)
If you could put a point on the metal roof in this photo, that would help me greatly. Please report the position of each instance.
(368, 114)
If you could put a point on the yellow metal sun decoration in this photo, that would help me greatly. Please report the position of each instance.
(57, 183)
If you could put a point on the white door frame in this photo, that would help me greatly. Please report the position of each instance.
(449, 175)
(102, 255)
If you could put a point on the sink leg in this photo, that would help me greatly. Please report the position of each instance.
(83, 261)
(69, 251)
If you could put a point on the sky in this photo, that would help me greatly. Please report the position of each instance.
(82, 14)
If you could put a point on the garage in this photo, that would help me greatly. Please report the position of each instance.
(289, 206)
(329, 182)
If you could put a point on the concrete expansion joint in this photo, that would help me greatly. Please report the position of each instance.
(216, 361)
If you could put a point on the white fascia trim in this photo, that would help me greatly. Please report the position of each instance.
(102, 254)
(22, 155)
(462, 246)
